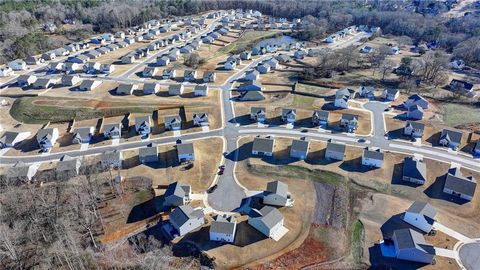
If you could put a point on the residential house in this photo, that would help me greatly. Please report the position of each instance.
(414, 170)
(252, 75)
(50, 55)
(6, 71)
(17, 64)
(190, 75)
(175, 89)
(283, 58)
(335, 151)
(26, 80)
(91, 67)
(229, 65)
(366, 49)
(128, 59)
(200, 119)
(151, 88)
(410, 245)
(143, 125)
(148, 153)
(458, 185)
(263, 146)
(21, 172)
(92, 54)
(169, 73)
(33, 60)
(223, 228)
(450, 138)
(268, 221)
(299, 148)
(70, 68)
(200, 90)
(390, 94)
(415, 112)
(277, 194)
(112, 159)
(289, 115)
(185, 152)
(68, 167)
(10, 138)
(185, 219)
(299, 54)
(55, 67)
(461, 86)
(320, 118)
(416, 100)
(83, 135)
(177, 194)
(372, 158)
(79, 59)
(251, 96)
(173, 122)
(273, 63)
(342, 96)
(149, 72)
(107, 68)
(263, 68)
(414, 129)
(421, 215)
(43, 83)
(349, 122)
(89, 85)
(209, 76)
(258, 114)
(246, 55)
(126, 89)
(46, 138)
(112, 131)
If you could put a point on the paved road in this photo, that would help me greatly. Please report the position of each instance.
(469, 256)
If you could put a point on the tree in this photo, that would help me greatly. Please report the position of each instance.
(193, 60)
(409, 85)
(385, 67)
(378, 56)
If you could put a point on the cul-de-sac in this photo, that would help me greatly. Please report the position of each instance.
(215, 134)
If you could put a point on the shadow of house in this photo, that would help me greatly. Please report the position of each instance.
(397, 176)
(131, 162)
(318, 158)
(396, 134)
(355, 165)
(144, 210)
(304, 123)
(394, 223)
(65, 140)
(28, 145)
(242, 120)
(275, 121)
(434, 139)
(435, 191)
(241, 153)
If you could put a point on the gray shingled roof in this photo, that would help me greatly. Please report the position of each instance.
(458, 183)
(177, 189)
(183, 213)
(336, 147)
(408, 238)
(224, 225)
(20, 169)
(270, 216)
(300, 145)
(416, 125)
(423, 208)
(8, 137)
(68, 164)
(263, 144)
(149, 150)
(373, 154)
(278, 188)
(185, 148)
(452, 135)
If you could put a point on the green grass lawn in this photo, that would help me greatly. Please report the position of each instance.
(245, 42)
(302, 101)
(357, 242)
(457, 114)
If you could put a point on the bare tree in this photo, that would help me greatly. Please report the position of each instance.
(385, 67)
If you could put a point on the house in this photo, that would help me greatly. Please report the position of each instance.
(149, 72)
(263, 68)
(394, 50)
(258, 114)
(229, 65)
(299, 54)
(331, 39)
(258, 50)
(200, 119)
(26, 80)
(143, 125)
(175, 89)
(251, 96)
(43, 83)
(246, 55)
(21, 172)
(200, 90)
(79, 59)
(50, 55)
(366, 49)
(33, 60)
(177, 194)
(414, 129)
(283, 58)
(461, 86)
(273, 63)
(70, 68)
(112, 159)
(169, 73)
(163, 60)
(335, 151)
(107, 68)
(457, 64)
(263, 146)
(186, 49)
(189, 75)
(185, 152)
(414, 170)
(185, 219)
(289, 115)
(372, 158)
(349, 122)
(68, 167)
(91, 67)
(6, 71)
(458, 185)
(277, 194)
(89, 85)
(208, 40)
(150, 88)
(112, 131)
(83, 135)
(313, 52)
(411, 246)
(250, 86)
(390, 94)
(209, 76)
(126, 89)
(92, 54)
(46, 138)
(128, 59)
(421, 215)
(415, 112)
(450, 138)
(299, 148)
(120, 34)
(173, 122)
(268, 221)
(320, 118)
(476, 149)
(416, 100)
(55, 67)
(148, 153)
(342, 96)
(223, 228)
(10, 138)
(17, 64)
(252, 75)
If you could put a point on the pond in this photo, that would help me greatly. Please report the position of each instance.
(275, 41)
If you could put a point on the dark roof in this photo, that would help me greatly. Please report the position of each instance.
(415, 125)
(373, 154)
(321, 114)
(300, 145)
(415, 169)
(177, 189)
(336, 147)
(349, 117)
(263, 144)
(451, 135)
(149, 150)
(457, 182)
(278, 188)
(257, 110)
(408, 238)
(251, 95)
(185, 148)
(8, 137)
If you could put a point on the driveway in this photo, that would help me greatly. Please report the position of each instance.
(470, 256)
